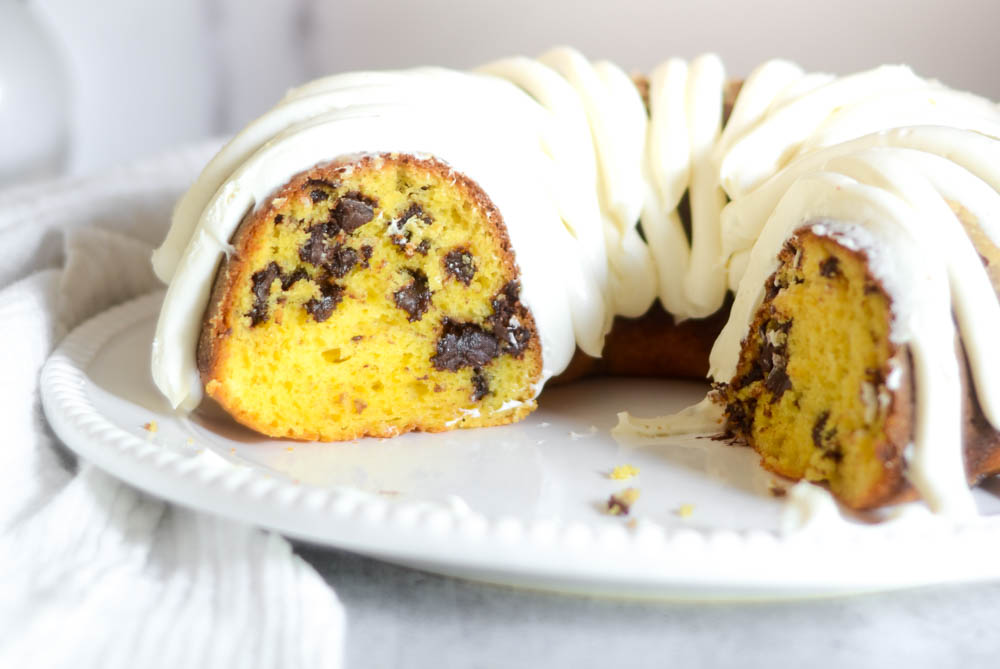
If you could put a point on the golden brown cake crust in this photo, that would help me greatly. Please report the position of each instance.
(234, 273)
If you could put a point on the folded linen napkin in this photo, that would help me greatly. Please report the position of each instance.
(94, 573)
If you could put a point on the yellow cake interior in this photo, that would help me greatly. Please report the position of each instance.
(337, 332)
(810, 391)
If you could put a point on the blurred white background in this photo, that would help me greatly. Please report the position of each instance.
(148, 75)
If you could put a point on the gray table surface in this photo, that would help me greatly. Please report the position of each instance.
(400, 617)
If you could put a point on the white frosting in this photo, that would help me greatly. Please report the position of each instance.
(880, 160)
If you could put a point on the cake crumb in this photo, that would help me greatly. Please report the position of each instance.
(620, 503)
(776, 489)
(190, 441)
(151, 426)
(632, 523)
(623, 472)
(685, 510)
(290, 449)
(581, 435)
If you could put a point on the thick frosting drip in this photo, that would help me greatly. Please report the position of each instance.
(900, 167)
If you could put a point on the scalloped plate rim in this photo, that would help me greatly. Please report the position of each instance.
(592, 558)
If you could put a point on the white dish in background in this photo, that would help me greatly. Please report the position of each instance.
(520, 504)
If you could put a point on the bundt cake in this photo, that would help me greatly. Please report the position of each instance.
(424, 250)
(300, 340)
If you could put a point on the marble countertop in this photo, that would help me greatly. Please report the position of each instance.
(401, 617)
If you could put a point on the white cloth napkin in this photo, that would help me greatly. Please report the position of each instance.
(94, 573)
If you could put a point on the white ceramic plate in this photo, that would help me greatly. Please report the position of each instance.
(521, 504)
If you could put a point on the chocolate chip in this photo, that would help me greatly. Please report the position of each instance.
(415, 297)
(400, 235)
(464, 345)
(773, 358)
(871, 288)
(823, 439)
(506, 320)
(317, 195)
(351, 212)
(330, 296)
(321, 250)
(278, 219)
(620, 503)
(480, 385)
(288, 280)
(740, 415)
(818, 426)
(366, 255)
(342, 260)
(262, 281)
(458, 263)
(777, 381)
(830, 267)
(415, 210)
(317, 249)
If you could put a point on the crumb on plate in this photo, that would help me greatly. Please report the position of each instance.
(623, 472)
(620, 503)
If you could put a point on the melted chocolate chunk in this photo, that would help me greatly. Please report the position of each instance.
(741, 415)
(773, 358)
(464, 345)
(352, 211)
(288, 280)
(830, 267)
(506, 320)
(480, 385)
(278, 219)
(317, 249)
(330, 296)
(415, 297)
(777, 380)
(401, 236)
(818, 426)
(824, 439)
(322, 251)
(458, 263)
(415, 210)
(366, 255)
(342, 260)
(262, 281)
(317, 195)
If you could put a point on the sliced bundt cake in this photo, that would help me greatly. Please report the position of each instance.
(822, 391)
(370, 297)
(852, 219)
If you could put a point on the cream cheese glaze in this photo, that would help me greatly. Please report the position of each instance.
(881, 160)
